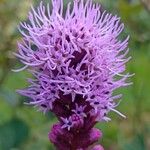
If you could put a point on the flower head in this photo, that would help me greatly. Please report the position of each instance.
(77, 60)
(79, 54)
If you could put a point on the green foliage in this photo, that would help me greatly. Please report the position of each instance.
(137, 143)
(23, 128)
(13, 133)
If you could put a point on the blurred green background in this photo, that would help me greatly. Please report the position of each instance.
(23, 128)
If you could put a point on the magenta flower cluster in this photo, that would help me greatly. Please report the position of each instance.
(77, 61)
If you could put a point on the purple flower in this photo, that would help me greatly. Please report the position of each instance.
(67, 123)
(79, 110)
(77, 60)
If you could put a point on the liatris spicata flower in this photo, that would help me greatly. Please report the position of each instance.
(77, 61)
